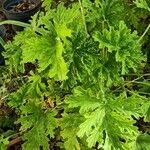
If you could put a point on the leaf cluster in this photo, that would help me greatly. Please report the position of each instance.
(80, 93)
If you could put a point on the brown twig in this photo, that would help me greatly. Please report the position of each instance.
(14, 141)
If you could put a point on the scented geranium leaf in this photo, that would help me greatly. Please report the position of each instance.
(44, 22)
(63, 15)
(63, 31)
(29, 116)
(142, 142)
(13, 53)
(84, 60)
(44, 42)
(59, 69)
(142, 4)
(133, 104)
(105, 117)
(21, 36)
(61, 18)
(42, 47)
(87, 61)
(124, 44)
(97, 132)
(102, 11)
(83, 100)
(47, 4)
(17, 98)
(38, 126)
(33, 90)
(35, 135)
(3, 142)
(13, 57)
(48, 52)
(94, 138)
(111, 10)
(70, 126)
(146, 110)
(108, 145)
(35, 86)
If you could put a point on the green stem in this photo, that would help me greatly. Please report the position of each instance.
(17, 23)
(127, 83)
(143, 93)
(146, 74)
(148, 27)
(136, 94)
(2, 42)
(83, 18)
(140, 83)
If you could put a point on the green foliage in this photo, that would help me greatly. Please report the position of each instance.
(142, 142)
(123, 44)
(103, 12)
(84, 91)
(3, 142)
(70, 126)
(39, 125)
(106, 120)
(142, 4)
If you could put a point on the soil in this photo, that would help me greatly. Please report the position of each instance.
(23, 6)
(143, 126)
(2, 16)
(9, 32)
(28, 67)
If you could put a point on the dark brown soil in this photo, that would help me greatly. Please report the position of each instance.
(9, 33)
(143, 126)
(24, 6)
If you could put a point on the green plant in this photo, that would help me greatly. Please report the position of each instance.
(3, 142)
(79, 93)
